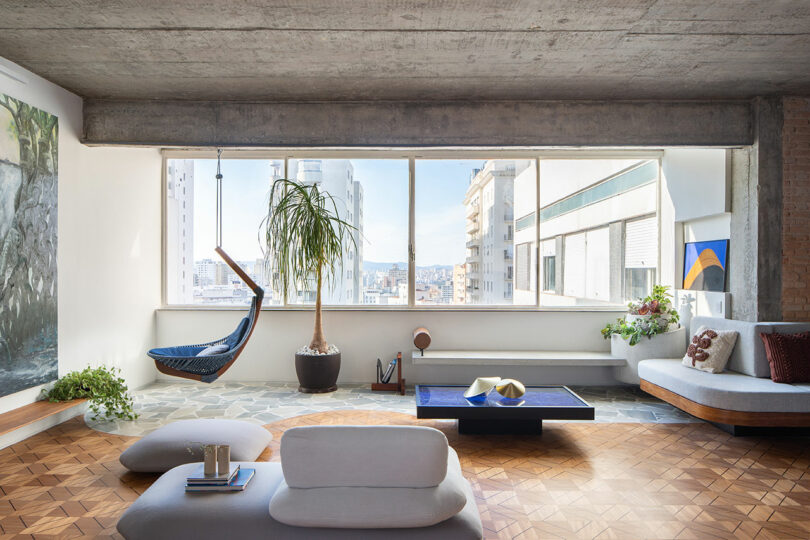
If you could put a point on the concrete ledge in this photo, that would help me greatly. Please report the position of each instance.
(517, 358)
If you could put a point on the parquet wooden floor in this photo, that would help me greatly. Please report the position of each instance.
(579, 480)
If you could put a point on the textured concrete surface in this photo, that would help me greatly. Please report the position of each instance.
(412, 49)
(430, 123)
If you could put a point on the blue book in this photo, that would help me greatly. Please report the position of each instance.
(238, 484)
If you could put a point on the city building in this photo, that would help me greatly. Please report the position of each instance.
(180, 231)
(490, 213)
(336, 177)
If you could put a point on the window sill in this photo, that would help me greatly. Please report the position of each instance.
(421, 309)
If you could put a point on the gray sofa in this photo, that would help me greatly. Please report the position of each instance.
(743, 395)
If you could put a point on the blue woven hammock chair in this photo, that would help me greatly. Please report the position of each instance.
(182, 361)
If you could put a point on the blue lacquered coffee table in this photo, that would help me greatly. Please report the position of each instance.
(497, 414)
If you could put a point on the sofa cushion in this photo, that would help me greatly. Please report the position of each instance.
(728, 390)
(364, 456)
(788, 356)
(372, 507)
(710, 349)
(164, 511)
(748, 355)
(181, 442)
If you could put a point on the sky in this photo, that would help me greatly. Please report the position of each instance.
(439, 208)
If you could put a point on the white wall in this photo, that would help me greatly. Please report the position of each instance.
(363, 336)
(109, 242)
(697, 181)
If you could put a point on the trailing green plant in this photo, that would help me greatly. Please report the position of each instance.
(305, 241)
(655, 316)
(106, 391)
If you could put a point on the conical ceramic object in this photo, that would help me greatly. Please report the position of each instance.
(510, 388)
(481, 386)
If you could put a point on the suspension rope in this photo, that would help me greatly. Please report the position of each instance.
(219, 198)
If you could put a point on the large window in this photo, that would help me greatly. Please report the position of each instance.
(477, 231)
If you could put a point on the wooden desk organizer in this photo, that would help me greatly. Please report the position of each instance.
(398, 386)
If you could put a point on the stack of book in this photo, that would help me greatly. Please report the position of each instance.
(236, 479)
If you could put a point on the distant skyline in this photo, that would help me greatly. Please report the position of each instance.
(440, 189)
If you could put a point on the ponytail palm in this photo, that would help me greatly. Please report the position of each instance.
(305, 237)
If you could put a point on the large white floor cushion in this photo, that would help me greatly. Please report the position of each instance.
(181, 442)
(372, 507)
(364, 456)
(165, 512)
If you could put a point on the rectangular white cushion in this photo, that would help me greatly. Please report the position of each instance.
(372, 507)
(364, 456)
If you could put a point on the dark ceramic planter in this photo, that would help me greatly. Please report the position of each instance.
(317, 373)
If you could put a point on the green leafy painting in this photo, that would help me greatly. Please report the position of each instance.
(28, 230)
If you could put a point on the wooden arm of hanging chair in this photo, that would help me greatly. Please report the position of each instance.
(241, 273)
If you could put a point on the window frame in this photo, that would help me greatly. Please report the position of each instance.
(411, 155)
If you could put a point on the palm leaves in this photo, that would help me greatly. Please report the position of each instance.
(304, 236)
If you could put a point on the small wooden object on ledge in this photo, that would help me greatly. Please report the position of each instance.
(398, 386)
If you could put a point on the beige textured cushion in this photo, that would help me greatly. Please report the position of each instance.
(710, 349)
(372, 507)
(363, 456)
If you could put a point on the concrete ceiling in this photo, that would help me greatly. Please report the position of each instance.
(412, 49)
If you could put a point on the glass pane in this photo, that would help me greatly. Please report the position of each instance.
(585, 207)
(466, 232)
(195, 274)
(371, 195)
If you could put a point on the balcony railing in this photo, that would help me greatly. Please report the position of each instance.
(509, 216)
(472, 226)
(475, 241)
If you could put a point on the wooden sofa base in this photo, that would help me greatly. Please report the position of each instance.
(725, 416)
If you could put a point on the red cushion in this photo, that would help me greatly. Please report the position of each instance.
(788, 356)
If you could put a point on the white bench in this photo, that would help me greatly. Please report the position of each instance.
(516, 358)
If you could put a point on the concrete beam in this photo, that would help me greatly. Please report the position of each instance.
(407, 124)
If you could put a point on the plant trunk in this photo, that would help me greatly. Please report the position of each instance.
(318, 340)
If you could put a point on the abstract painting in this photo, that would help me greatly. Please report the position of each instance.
(704, 265)
(28, 229)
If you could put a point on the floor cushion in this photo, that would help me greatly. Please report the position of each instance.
(181, 442)
(165, 511)
(372, 507)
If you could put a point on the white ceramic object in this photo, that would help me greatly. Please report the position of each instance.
(223, 459)
(670, 344)
(481, 386)
(210, 459)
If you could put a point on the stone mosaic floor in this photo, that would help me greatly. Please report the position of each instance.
(265, 402)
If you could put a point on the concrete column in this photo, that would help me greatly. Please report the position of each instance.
(755, 249)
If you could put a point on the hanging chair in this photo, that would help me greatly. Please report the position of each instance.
(182, 361)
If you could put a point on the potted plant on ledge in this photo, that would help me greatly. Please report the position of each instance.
(305, 246)
(653, 318)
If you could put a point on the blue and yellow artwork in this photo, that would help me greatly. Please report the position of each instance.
(704, 265)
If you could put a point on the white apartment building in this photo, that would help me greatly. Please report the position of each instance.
(336, 176)
(598, 231)
(180, 231)
(490, 201)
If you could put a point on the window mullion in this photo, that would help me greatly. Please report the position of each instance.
(411, 232)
